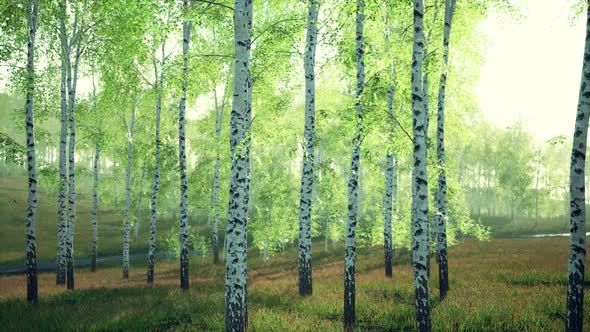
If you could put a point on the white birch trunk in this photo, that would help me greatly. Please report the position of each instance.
(307, 168)
(236, 312)
(353, 179)
(62, 224)
(419, 177)
(138, 207)
(94, 212)
(73, 80)
(184, 278)
(31, 240)
(441, 191)
(154, 200)
(127, 227)
(218, 126)
(575, 289)
(389, 190)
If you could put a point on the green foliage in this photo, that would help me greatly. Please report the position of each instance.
(196, 242)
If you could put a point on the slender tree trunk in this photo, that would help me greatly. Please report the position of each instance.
(31, 240)
(575, 289)
(537, 189)
(425, 101)
(73, 80)
(353, 179)
(419, 177)
(184, 280)
(441, 192)
(138, 207)
(218, 126)
(62, 224)
(95, 208)
(96, 166)
(127, 227)
(154, 201)
(236, 310)
(307, 168)
(389, 190)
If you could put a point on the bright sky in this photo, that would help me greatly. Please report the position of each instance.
(533, 67)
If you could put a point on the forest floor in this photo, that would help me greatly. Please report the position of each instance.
(13, 205)
(502, 285)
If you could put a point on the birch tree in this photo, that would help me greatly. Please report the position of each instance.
(129, 128)
(158, 86)
(219, 111)
(353, 178)
(307, 169)
(72, 81)
(236, 311)
(63, 184)
(31, 240)
(390, 170)
(138, 214)
(419, 177)
(441, 191)
(575, 289)
(186, 31)
(95, 168)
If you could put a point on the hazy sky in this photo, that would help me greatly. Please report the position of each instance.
(533, 67)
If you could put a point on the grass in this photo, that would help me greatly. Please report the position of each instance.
(503, 226)
(501, 285)
(13, 195)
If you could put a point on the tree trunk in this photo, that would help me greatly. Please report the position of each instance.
(537, 189)
(186, 31)
(236, 311)
(139, 201)
(218, 126)
(96, 166)
(425, 100)
(307, 168)
(388, 204)
(127, 227)
(353, 179)
(419, 177)
(441, 190)
(62, 225)
(389, 189)
(72, 80)
(31, 240)
(575, 289)
(154, 201)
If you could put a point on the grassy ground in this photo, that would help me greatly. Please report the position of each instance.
(501, 285)
(503, 226)
(13, 198)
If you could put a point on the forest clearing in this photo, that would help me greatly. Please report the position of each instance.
(280, 165)
(500, 285)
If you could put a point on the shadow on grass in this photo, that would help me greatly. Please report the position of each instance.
(129, 308)
(531, 279)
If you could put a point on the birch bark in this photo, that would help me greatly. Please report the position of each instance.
(127, 227)
(441, 191)
(419, 227)
(575, 289)
(307, 168)
(31, 239)
(236, 312)
(72, 80)
(62, 224)
(218, 126)
(154, 200)
(94, 212)
(353, 180)
(186, 31)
